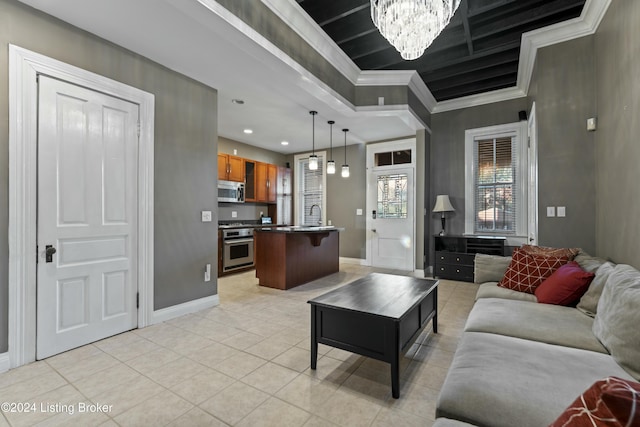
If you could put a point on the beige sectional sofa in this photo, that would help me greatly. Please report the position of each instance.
(521, 363)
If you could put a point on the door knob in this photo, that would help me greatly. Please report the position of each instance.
(48, 252)
(374, 230)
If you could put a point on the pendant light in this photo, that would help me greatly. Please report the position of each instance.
(345, 166)
(331, 164)
(313, 159)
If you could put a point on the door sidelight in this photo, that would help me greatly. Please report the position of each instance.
(48, 252)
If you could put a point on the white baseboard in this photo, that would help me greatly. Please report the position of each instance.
(4, 362)
(357, 261)
(178, 310)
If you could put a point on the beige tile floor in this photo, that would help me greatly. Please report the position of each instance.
(244, 362)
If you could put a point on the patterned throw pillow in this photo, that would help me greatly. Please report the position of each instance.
(569, 253)
(526, 272)
(612, 402)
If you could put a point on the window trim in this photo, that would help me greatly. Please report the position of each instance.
(517, 130)
(296, 179)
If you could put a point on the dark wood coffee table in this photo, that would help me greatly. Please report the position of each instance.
(377, 316)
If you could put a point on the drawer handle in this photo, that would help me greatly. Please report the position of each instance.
(457, 271)
(442, 257)
(441, 268)
(457, 259)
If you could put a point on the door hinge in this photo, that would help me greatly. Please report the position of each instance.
(138, 130)
(36, 254)
(137, 299)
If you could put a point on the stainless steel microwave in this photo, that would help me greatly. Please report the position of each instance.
(230, 191)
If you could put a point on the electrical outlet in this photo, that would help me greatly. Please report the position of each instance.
(358, 211)
(206, 216)
(234, 214)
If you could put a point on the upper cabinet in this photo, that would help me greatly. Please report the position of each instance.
(266, 182)
(231, 168)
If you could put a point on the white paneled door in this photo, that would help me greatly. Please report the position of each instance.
(87, 216)
(390, 210)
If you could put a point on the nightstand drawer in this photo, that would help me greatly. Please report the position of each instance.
(454, 258)
(454, 272)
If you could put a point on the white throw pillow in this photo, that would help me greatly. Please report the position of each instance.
(589, 302)
(617, 323)
(489, 268)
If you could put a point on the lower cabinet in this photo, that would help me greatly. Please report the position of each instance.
(455, 255)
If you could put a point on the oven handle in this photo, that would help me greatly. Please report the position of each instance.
(237, 241)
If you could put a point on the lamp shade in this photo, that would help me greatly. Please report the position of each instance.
(443, 204)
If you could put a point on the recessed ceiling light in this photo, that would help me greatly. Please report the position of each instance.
(237, 101)
(285, 143)
(249, 131)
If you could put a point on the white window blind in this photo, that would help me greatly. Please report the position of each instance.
(495, 183)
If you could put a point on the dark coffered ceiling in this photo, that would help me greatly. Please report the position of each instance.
(477, 52)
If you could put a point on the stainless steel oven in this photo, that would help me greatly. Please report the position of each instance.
(237, 248)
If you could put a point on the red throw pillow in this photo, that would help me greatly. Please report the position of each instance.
(526, 272)
(545, 251)
(565, 286)
(612, 402)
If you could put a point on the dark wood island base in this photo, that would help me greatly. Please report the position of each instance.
(287, 258)
(378, 316)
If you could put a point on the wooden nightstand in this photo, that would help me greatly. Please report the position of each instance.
(454, 255)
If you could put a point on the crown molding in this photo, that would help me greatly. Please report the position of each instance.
(584, 25)
(295, 17)
(299, 21)
(479, 99)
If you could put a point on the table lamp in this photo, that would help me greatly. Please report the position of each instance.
(443, 205)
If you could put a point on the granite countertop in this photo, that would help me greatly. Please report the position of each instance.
(300, 229)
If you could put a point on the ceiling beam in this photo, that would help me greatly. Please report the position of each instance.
(480, 87)
(474, 77)
(464, 11)
(472, 65)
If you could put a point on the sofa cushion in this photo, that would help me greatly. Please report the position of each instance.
(565, 286)
(611, 402)
(546, 323)
(617, 323)
(589, 263)
(588, 304)
(526, 271)
(504, 382)
(570, 253)
(489, 268)
(492, 290)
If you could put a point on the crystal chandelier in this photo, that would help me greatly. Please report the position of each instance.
(412, 25)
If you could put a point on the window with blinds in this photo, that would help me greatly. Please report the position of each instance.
(310, 192)
(495, 183)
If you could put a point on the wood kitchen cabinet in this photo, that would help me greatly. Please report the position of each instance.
(266, 177)
(281, 212)
(230, 168)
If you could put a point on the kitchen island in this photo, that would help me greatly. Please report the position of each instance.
(290, 256)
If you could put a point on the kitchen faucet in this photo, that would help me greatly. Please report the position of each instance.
(319, 209)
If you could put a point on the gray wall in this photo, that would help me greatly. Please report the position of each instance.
(617, 47)
(226, 146)
(185, 149)
(447, 155)
(563, 88)
(344, 196)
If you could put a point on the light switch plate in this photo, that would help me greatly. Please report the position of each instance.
(551, 211)
(358, 211)
(206, 216)
(234, 214)
(562, 211)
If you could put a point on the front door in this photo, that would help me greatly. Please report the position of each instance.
(87, 216)
(390, 210)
